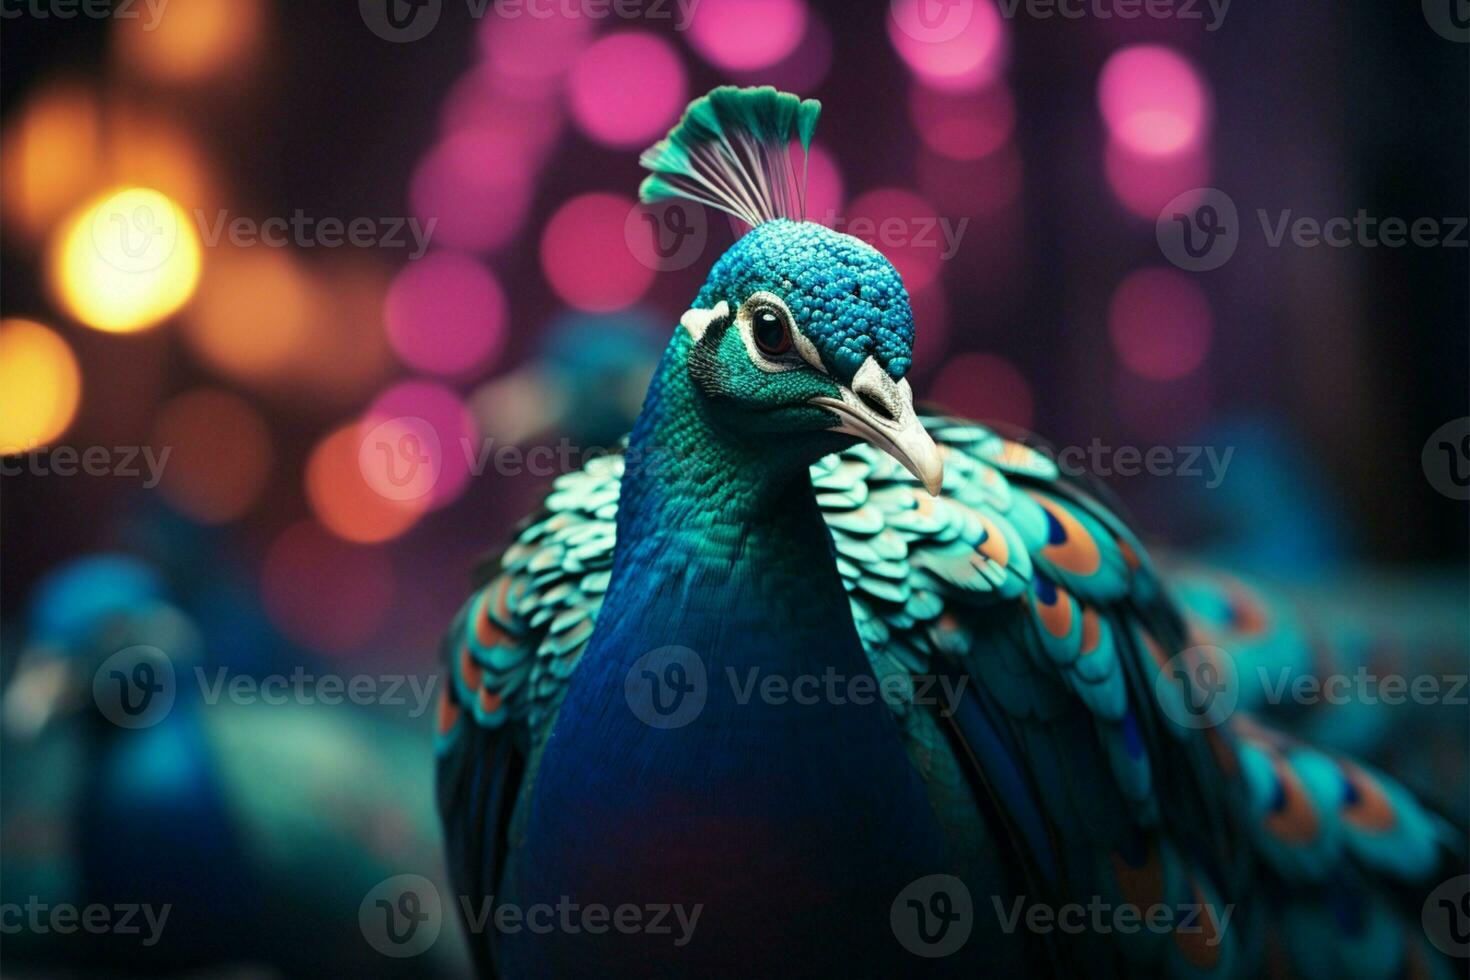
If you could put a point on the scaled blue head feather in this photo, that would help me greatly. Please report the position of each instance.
(732, 151)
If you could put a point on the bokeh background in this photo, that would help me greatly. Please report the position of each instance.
(1045, 146)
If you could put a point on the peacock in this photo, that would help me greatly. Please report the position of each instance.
(845, 686)
(251, 832)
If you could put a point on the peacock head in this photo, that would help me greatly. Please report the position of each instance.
(801, 335)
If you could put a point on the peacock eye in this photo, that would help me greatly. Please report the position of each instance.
(772, 335)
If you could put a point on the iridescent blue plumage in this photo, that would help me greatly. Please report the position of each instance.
(783, 511)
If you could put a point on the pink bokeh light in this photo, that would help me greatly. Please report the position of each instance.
(426, 403)
(963, 125)
(586, 256)
(964, 49)
(904, 227)
(627, 89)
(746, 35)
(804, 69)
(475, 185)
(986, 387)
(1160, 324)
(446, 314)
(1144, 184)
(484, 100)
(535, 45)
(1153, 100)
(324, 593)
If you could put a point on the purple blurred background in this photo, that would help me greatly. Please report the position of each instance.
(1014, 159)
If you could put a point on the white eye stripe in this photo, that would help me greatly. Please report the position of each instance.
(805, 349)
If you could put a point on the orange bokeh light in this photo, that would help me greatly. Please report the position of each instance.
(48, 157)
(219, 454)
(62, 148)
(253, 313)
(343, 499)
(190, 41)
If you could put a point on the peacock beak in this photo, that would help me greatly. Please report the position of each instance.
(880, 411)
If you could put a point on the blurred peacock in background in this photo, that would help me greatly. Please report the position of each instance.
(252, 830)
(1048, 733)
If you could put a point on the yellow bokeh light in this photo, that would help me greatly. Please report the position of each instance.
(40, 385)
(127, 261)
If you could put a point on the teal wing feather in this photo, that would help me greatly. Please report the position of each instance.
(1035, 601)
(509, 653)
(1024, 582)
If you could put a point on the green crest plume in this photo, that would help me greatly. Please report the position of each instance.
(732, 151)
